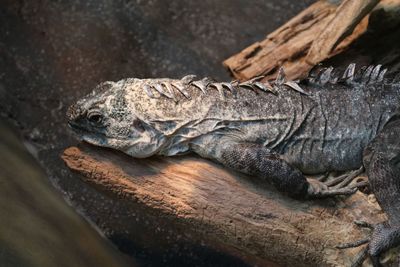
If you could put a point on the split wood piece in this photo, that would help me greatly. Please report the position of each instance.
(288, 46)
(347, 16)
(229, 209)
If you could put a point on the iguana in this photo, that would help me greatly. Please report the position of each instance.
(330, 121)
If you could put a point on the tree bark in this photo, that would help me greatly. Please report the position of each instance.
(347, 16)
(317, 33)
(229, 210)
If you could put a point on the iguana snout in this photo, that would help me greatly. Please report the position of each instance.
(105, 118)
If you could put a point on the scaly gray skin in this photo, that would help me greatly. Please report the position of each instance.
(276, 132)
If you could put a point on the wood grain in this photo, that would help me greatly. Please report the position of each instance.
(228, 209)
(347, 16)
(326, 29)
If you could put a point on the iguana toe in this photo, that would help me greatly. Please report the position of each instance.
(340, 185)
(345, 179)
(318, 189)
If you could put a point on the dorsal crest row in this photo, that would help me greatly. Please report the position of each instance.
(155, 88)
(175, 89)
(366, 75)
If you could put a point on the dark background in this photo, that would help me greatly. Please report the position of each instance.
(54, 52)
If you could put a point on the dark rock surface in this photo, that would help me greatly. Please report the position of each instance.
(37, 227)
(53, 52)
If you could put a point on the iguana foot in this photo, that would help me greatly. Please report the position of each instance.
(319, 189)
(345, 179)
(337, 186)
(383, 238)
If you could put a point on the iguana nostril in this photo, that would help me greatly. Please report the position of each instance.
(73, 113)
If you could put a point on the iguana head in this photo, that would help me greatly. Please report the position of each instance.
(104, 118)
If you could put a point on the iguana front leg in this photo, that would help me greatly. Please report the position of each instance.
(382, 161)
(256, 160)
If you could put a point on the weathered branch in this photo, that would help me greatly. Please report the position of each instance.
(228, 209)
(289, 46)
(347, 16)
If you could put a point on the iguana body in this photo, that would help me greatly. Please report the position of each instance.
(276, 132)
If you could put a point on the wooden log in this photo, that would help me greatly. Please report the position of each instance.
(227, 209)
(289, 46)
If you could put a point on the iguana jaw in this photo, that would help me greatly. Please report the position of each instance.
(141, 147)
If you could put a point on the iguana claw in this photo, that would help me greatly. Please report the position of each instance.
(344, 179)
(337, 186)
(319, 189)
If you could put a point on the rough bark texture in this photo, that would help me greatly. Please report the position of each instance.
(347, 16)
(317, 33)
(229, 210)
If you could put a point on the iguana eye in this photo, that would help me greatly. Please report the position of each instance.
(95, 117)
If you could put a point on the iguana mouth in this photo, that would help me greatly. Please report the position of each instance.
(83, 131)
(80, 130)
(77, 127)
